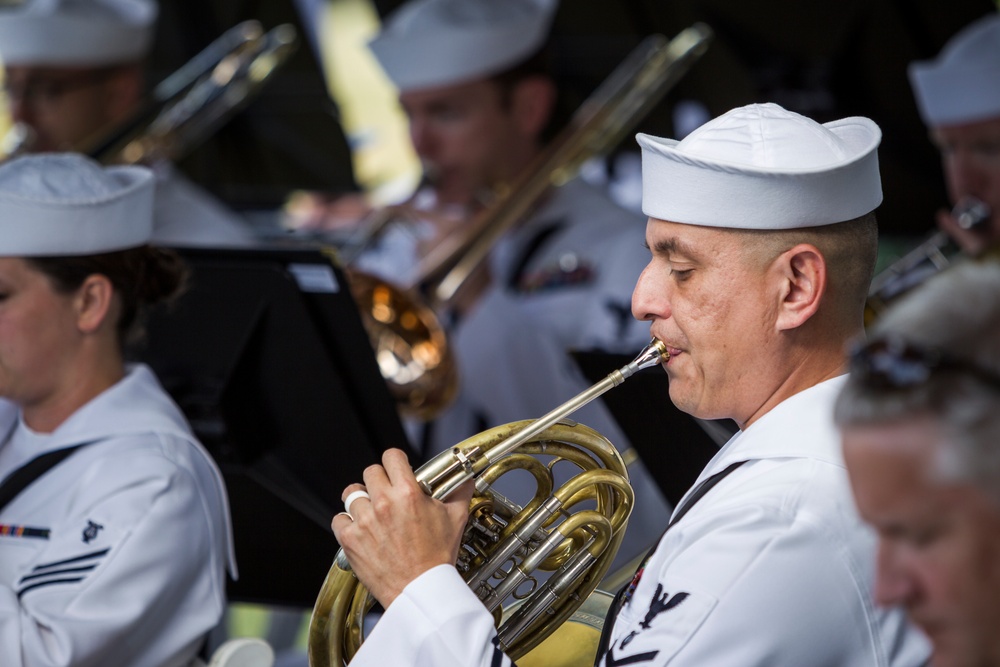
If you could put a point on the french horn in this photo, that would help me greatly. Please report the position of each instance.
(572, 532)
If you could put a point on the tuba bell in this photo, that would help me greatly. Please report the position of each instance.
(505, 544)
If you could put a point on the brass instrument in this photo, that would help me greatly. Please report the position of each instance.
(933, 255)
(411, 346)
(190, 104)
(631, 90)
(505, 544)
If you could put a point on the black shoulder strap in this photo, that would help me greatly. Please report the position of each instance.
(702, 489)
(533, 245)
(620, 597)
(18, 480)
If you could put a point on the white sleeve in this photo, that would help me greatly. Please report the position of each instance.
(130, 574)
(436, 621)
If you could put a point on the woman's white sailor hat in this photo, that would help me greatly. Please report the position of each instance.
(59, 204)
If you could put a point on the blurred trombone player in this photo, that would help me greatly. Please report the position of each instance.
(73, 74)
(473, 79)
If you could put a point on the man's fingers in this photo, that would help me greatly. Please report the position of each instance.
(376, 479)
(397, 466)
(971, 242)
(340, 521)
(351, 489)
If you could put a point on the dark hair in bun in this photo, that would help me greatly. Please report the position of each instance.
(142, 276)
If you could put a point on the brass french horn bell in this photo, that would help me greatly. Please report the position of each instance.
(572, 532)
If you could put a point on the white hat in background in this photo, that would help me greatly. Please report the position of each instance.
(76, 33)
(57, 204)
(762, 167)
(432, 43)
(962, 85)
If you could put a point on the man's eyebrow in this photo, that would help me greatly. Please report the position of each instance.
(672, 246)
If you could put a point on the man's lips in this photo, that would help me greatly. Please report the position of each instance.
(672, 351)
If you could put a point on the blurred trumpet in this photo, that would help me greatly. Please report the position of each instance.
(933, 255)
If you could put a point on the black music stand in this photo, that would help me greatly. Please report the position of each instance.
(268, 359)
(674, 446)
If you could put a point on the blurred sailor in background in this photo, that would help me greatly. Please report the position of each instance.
(73, 73)
(958, 95)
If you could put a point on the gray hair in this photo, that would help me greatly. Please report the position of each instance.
(956, 313)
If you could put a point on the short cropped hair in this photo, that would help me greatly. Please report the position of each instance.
(850, 249)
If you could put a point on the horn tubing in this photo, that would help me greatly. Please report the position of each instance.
(654, 353)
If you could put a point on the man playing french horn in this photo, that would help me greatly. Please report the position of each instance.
(763, 242)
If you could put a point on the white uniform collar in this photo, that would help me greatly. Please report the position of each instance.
(809, 414)
(144, 408)
(144, 413)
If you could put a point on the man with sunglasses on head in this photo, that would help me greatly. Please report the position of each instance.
(73, 74)
(920, 418)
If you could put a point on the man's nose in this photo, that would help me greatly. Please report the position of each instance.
(649, 298)
(421, 136)
(893, 581)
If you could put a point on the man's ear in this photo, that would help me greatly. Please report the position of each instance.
(802, 274)
(94, 300)
(532, 103)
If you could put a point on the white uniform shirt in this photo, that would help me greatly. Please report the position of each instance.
(133, 569)
(772, 567)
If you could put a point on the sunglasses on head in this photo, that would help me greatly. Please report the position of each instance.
(892, 363)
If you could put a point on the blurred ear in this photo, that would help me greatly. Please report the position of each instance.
(94, 300)
(532, 102)
(801, 272)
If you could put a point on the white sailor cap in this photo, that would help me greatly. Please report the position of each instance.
(432, 43)
(762, 167)
(963, 84)
(57, 204)
(76, 33)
